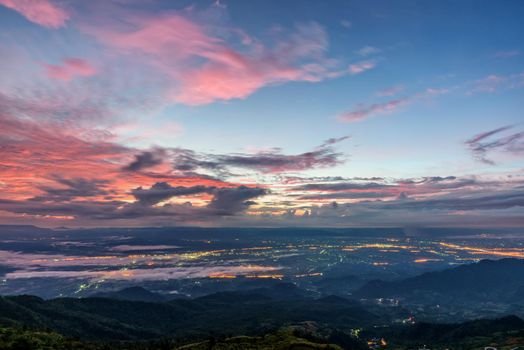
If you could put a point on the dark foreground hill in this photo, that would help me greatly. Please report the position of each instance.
(503, 334)
(476, 334)
(133, 294)
(19, 339)
(222, 314)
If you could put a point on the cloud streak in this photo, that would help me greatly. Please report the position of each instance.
(42, 12)
(361, 67)
(364, 112)
(70, 68)
(267, 162)
(146, 160)
(483, 144)
(207, 67)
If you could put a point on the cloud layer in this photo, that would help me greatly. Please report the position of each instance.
(43, 12)
(106, 108)
(497, 140)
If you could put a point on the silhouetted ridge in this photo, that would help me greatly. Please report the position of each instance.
(486, 280)
(435, 333)
(219, 313)
(132, 294)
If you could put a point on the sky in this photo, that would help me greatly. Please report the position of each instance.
(261, 113)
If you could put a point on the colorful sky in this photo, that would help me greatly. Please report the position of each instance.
(261, 113)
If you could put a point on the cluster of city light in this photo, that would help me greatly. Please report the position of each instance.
(508, 252)
(425, 260)
(380, 246)
(266, 276)
(171, 264)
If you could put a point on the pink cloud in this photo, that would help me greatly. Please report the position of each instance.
(364, 112)
(495, 82)
(489, 84)
(391, 91)
(42, 12)
(70, 68)
(33, 152)
(361, 67)
(204, 67)
(216, 81)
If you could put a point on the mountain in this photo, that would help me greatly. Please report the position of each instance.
(27, 231)
(284, 340)
(503, 333)
(24, 339)
(485, 281)
(221, 313)
(339, 285)
(467, 335)
(133, 294)
(5, 269)
(282, 291)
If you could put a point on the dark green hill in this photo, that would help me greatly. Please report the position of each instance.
(132, 294)
(505, 333)
(19, 339)
(467, 335)
(222, 313)
(24, 339)
(282, 340)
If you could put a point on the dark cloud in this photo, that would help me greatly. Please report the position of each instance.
(276, 162)
(225, 202)
(90, 209)
(334, 140)
(161, 191)
(190, 162)
(73, 188)
(401, 189)
(146, 159)
(186, 161)
(429, 179)
(484, 143)
(363, 112)
(341, 186)
(301, 179)
(479, 137)
(438, 182)
(373, 178)
(345, 195)
(415, 185)
(187, 175)
(500, 200)
(228, 201)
